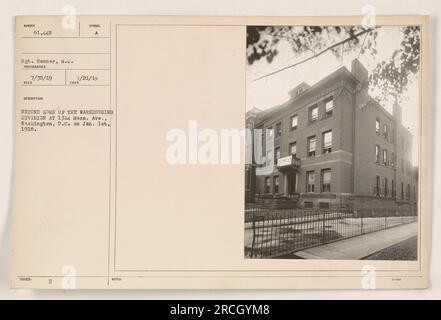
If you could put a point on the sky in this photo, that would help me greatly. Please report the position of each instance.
(273, 90)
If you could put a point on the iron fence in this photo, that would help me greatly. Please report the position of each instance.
(271, 233)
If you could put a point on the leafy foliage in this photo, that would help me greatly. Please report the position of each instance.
(391, 77)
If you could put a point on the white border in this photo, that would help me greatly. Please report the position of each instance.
(201, 7)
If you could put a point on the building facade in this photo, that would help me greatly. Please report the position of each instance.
(330, 145)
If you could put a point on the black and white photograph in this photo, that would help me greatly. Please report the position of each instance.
(333, 120)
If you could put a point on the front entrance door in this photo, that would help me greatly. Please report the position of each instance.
(291, 183)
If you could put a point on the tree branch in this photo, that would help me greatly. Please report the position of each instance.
(318, 54)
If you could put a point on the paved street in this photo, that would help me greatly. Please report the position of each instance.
(405, 250)
(391, 243)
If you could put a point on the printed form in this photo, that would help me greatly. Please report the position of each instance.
(97, 203)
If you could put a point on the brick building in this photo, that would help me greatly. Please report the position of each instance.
(333, 146)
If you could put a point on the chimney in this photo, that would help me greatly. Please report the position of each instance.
(362, 75)
(397, 112)
(359, 71)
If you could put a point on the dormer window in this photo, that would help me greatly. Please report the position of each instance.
(298, 90)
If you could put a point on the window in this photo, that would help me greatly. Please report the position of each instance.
(408, 192)
(377, 153)
(385, 160)
(385, 187)
(392, 188)
(267, 184)
(377, 126)
(309, 204)
(385, 133)
(323, 205)
(377, 186)
(326, 180)
(311, 146)
(402, 190)
(329, 106)
(268, 158)
(299, 91)
(276, 155)
(393, 158)
(276, 184)
(310, 181)
(327, 141)
(313, 113)
(278, 129)
(414, 192)
(270, 132)
(402, 165)
(294, 120)
(392, 138)
(293, 149)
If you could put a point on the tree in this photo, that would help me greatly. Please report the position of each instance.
(391, 77)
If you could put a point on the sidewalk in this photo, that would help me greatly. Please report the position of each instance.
(361, 246)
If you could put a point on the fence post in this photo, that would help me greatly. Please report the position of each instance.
(254, 233)
(323, 226)
(361, 221)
